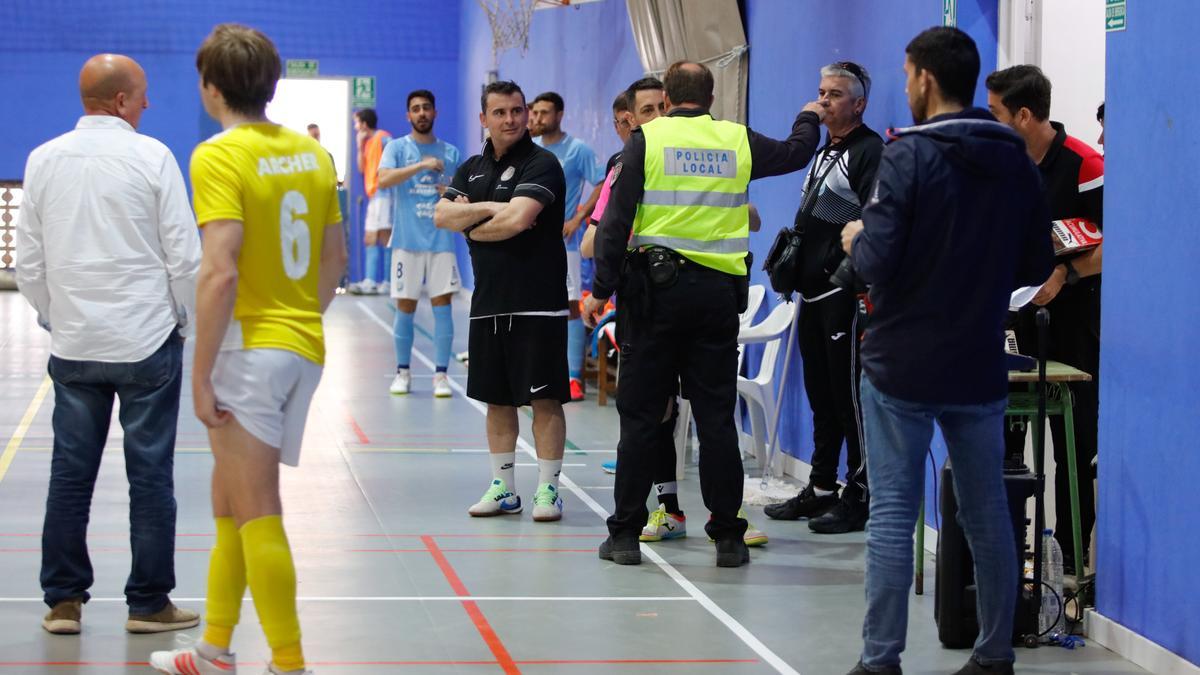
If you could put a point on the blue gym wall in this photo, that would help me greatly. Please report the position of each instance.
(43, 45)
(1149, 463)
(789, 43)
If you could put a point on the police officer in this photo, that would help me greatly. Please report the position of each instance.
(681, 190)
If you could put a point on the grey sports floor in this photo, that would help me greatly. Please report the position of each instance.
(395, 577)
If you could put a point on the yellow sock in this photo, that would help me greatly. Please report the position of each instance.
(226, 585)
(272, 578)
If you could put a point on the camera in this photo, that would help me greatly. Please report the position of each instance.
(845, 278)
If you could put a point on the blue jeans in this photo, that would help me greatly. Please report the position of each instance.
(83, 401)
(898, 435)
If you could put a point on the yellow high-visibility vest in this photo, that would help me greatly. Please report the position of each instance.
(695, 200)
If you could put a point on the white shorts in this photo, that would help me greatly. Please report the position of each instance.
(268, 391)
(412, 271)
(574, 276)
(379, 214)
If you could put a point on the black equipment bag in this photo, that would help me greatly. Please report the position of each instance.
(783, 263)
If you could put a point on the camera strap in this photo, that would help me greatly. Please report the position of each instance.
(830, 156)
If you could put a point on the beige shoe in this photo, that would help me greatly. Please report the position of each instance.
(166, 619)
(63, 618)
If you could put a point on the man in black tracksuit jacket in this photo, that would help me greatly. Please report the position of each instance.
(837, 185)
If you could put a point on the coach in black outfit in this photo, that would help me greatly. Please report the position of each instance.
(508, 202)
(683, 325)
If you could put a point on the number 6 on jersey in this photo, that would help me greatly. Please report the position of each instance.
(294, 235)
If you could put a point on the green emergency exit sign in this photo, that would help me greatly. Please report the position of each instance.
(1114, 15)
(301, 67)
(362, 89)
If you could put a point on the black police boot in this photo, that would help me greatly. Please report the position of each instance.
(621, 551)
(974, 667)
(732, 553)
(804, 505)
(848, 515)
(860, 669)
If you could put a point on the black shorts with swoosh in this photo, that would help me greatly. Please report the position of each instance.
(516, 359)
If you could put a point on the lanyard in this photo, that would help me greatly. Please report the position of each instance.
(830, 157)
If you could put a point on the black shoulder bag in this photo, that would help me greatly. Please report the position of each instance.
(785, 259)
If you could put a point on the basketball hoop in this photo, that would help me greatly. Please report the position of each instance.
(509, 20)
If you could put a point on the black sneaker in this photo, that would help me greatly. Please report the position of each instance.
(621, 551)
(732, 553)
(848, 515)
(974, 667)
(804, 505)
(860, 669)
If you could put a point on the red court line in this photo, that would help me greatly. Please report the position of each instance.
(481, 623)
(330, 664)
(362, 438)
(580, 662)
(125, 549)
(373, 535)
(473, 550)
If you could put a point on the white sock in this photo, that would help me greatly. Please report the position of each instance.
(504, 467)
(548, 470)
(668, 488)
(209, 652)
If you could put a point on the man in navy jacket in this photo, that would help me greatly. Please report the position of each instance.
(955, 222)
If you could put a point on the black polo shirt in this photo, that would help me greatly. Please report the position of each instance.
(1073, 175)
(526, 274)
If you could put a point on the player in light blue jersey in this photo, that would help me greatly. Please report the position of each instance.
(416, 169)
(579, 166)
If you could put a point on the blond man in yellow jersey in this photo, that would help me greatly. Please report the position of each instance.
(273, 254)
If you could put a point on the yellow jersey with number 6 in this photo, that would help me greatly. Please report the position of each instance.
(281, 185)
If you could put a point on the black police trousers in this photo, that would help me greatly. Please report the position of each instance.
(686, 337)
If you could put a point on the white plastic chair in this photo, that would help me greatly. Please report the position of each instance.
(758, 293)
(759, 391)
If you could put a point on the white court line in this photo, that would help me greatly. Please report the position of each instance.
(433, 598)
(692, 590)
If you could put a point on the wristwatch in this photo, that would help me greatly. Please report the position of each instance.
(1072, 275)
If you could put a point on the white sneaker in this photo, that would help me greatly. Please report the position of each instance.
(662, 525)
(753, 536)
(497, 501)
(547, 505)
(441, 386)
(462, 357)
(402, 383)
(189, 662)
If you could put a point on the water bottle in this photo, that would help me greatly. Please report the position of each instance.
(1051, 618)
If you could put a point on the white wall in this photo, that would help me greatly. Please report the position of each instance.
(1072, 52)
(1066, 39)
(321, 101)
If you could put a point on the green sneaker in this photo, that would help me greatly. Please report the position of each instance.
(547, 505)
(497, 501)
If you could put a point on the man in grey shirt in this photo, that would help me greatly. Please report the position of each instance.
(108, 253)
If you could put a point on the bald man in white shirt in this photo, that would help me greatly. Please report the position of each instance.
(108, 253)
